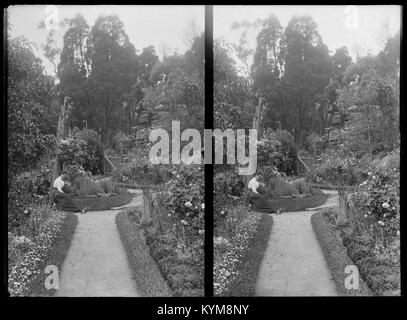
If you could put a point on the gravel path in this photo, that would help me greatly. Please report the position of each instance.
(96, 264)
(293, 263)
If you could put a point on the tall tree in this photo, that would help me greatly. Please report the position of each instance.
(113, 71)
(74, 68)
(307, 71)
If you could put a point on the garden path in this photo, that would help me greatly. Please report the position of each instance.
(293, 263)
(96, 264)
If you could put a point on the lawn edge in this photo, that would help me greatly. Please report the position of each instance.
(149, 280)
(55, 256)
(336, 256)
(244, 283)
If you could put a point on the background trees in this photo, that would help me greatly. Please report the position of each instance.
(31, 108)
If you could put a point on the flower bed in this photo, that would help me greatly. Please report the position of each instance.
(28, 257)
(235, 268)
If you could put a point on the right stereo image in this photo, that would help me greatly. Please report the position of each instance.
(307, 166)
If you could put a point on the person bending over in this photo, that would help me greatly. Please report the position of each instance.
(257, 196)
(62, 199)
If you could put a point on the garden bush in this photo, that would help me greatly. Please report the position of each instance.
(338, 171)
(174, 229)
(278, 187)
(84, 186)
(371, 230)
(84, 149)
(121, 141)
(277, 149)
(314, 143)
(375, 205)
(108, 186)
(25, 192)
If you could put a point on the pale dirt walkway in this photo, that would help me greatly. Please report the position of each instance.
(293, 263)
(96, 264)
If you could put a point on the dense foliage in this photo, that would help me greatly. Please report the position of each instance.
(30, 120)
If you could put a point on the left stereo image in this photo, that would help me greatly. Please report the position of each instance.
(105, 169)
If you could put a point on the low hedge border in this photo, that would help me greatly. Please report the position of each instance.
(331, 187)
(184, 276)
(106, 203)
(55, 256)
(148, 278)
(336, 256)
(300, 204)
(244, 283)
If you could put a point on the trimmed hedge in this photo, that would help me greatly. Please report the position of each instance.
(300, 204)
(106, 203)
(244, 283)
(336, 256)
(382, 274)
(145, 271)
(56, 256)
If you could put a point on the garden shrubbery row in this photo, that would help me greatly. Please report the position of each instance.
(370, 230)
(145, 271)
(173, 224)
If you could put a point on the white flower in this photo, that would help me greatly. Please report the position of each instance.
(203, 205)
(381, 223)
(184, 222)
(188, 204)
(398, 232)
(222, 212)
(385, 205)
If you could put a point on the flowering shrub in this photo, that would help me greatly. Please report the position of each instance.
(228, 191)
(376, 205)
(25, 190)
(136, 168)
(370, 231)
(26, 254)
(337, 171)
(277, 150)
(75, 171)
(185, 199)
(314, 143)
(175, 234)
(82, 149)
(121, 140)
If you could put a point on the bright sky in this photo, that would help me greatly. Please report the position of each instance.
(167, 28)
(360, 28)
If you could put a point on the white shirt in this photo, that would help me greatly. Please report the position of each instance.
(253, 184)
(59, 184)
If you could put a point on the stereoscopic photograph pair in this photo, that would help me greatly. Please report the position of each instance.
(192, 151)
